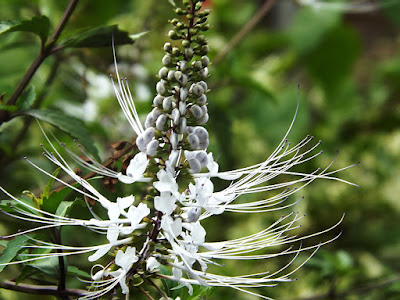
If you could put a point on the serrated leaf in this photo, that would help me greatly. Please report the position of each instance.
(48, 266)
(38, 25)
(100, 36)
(66, 123)
(12, 249)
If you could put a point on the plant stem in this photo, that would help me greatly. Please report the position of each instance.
(39, 289)
(245, 30)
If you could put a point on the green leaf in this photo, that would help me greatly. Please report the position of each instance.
(10, 108)
(64, 208)
(38, 25)
(26, 99)
(99, 37)
(13, 247)
(66, 123)
(48, 266)
(47, 188)
(75, 271)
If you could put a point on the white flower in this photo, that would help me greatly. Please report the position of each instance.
(136, 168)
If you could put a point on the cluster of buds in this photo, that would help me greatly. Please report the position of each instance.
(163, 227)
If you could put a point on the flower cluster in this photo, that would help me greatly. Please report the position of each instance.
(172, 159)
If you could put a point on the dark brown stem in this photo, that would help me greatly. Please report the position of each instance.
(245, 30)
(39, 289)
(61, 265)
(45, 51)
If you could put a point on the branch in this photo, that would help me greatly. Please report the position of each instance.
(40, 289)
(245, 30)
(44, 53)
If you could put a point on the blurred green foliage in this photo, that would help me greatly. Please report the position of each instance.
(348, 69)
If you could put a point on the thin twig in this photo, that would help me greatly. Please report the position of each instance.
(245, 30)
(39, 289)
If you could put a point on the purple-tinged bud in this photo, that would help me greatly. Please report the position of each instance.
(202, 100)
(152, 148)
(167, 103)
(193, 140)
(196, 111)
(160, 123)
(195, 165)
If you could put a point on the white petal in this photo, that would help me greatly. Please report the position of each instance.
(99, 253)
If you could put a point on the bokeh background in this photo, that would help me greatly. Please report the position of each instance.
(347, 63)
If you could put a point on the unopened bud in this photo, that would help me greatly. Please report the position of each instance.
(166, 60)
(148, 134)
(195, 165)
(182, 107)
(183, 126)
(205, 61)
(175, 116)
(183, 94)
(202, 157)
(203, 72)
(193, 140)
(160, 88)
(204, 119)
(202, 100)
(152, 148)
(161, 122)
(167, 103)
(196, 111)
(189, 53)
(174, 140)
(163, 72)
(158, 100)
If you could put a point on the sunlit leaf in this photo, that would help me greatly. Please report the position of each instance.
(13, 247)
(38, 25)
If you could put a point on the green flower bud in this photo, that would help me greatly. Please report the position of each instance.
(174, 21)
(182, 65)
(172, 34)
(205, 61)
(167, 47)
(193, 31)
(203, 72)
(189, 53)
(204, 50)
(197, 6)
(176, 51)
(179, 11)
(204, 27)
(190, 17)
(185, 43)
